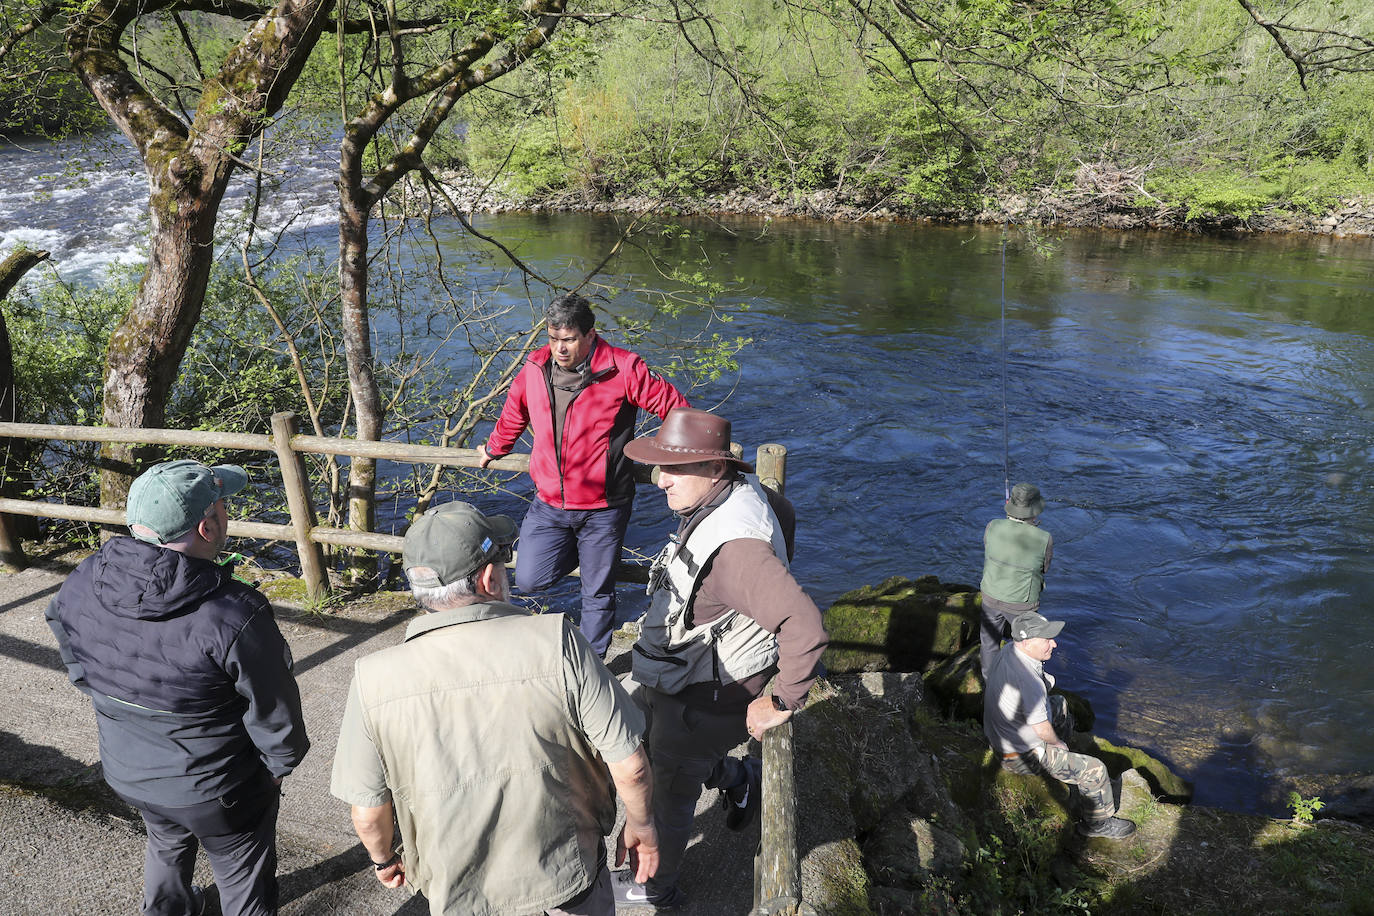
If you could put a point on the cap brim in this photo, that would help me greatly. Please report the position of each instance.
(505, 530)
(1053, 630)
(232, 478)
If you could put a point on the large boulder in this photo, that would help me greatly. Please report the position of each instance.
(900, 625)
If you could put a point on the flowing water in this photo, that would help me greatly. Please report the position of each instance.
(1196, 410)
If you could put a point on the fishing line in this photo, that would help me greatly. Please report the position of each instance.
(1006, 459)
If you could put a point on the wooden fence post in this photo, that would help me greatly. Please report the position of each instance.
(297, 486)
(770, 464)
(11, 549)
(777, 868)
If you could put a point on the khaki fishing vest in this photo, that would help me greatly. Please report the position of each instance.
(671, 655)
(1014, 561)
(501, 801)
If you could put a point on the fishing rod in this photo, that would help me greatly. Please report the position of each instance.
(1006, 454)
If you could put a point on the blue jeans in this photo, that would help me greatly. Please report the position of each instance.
(554, 542)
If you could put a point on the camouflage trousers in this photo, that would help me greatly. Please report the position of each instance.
(1087, 774)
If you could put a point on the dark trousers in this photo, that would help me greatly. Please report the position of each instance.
(688, 750)
(995, 626)
(239, 833)
(554, 542)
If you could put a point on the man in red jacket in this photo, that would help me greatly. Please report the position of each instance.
(580, 397)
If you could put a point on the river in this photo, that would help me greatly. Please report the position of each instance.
(1196, 410)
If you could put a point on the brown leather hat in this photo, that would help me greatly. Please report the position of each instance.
(687, 436)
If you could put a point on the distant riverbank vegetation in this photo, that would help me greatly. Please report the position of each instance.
(1212, 107)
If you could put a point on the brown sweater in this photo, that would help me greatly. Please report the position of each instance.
(746, 575)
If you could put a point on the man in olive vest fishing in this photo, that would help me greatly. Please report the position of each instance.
(494, 739)
(725, 615)
(1016, 556)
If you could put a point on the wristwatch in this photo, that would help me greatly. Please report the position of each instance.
(383, 866)
(778, 704)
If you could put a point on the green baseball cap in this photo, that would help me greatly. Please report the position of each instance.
(449, 543)
(169, 499)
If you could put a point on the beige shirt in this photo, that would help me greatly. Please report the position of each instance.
(487, 728)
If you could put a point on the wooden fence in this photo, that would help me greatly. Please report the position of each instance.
(777, 873)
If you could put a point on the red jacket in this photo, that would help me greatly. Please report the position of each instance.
(590, 470)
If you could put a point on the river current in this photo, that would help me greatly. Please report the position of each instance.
(1197, 412)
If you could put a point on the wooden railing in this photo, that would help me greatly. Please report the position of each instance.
(777, 872)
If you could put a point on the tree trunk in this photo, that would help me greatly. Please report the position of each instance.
(14, 458)
(188, 169)
(147, 346)
(357, 334)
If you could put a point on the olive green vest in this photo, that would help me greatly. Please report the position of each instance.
(1013, 561)
(501, 801)
(669, 654)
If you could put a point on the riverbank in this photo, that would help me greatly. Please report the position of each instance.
(1099, 196)
(905, 809)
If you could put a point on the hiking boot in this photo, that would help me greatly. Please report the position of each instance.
(742, 802)
(630, 893)
(1113, 828)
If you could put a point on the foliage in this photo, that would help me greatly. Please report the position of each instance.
(1304, 809)
(234, 377)
(938, 106)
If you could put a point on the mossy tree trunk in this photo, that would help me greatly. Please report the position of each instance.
(443, 83)
(188, 168)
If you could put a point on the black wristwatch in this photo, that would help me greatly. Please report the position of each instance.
(382, 866)
(778, 704)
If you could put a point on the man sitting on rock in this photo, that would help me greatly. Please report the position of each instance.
(1023, 724)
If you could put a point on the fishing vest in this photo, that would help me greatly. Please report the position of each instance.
(501, 800)
(1014, 561)
(670, 654)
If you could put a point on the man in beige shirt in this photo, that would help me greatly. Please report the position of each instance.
(496, 741)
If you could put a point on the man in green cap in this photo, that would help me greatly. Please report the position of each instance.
(495, 739)
(1028, 727)
(199, 714)
(1016, 556)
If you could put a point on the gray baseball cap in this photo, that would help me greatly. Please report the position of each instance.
(449, 543)
(169, 499)
(1030, 625)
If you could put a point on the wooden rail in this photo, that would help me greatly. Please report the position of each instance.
(777, 871)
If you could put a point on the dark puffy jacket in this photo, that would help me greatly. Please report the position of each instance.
(190, 677)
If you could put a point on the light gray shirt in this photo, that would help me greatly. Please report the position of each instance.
(1015, 699)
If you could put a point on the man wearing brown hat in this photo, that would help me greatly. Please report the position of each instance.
(1016, 556)
(1027, 726)
(198, 711)
(725, 616)
(495, 739)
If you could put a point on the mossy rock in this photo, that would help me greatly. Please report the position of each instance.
(900, 625)
(956, 685)
(835, 881)
(1164, 784)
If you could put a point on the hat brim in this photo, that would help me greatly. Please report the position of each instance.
(645, 450)
(1031, 511)
(232, 479)
(506, 530)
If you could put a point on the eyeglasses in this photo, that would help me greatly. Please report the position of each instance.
(503, 553)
